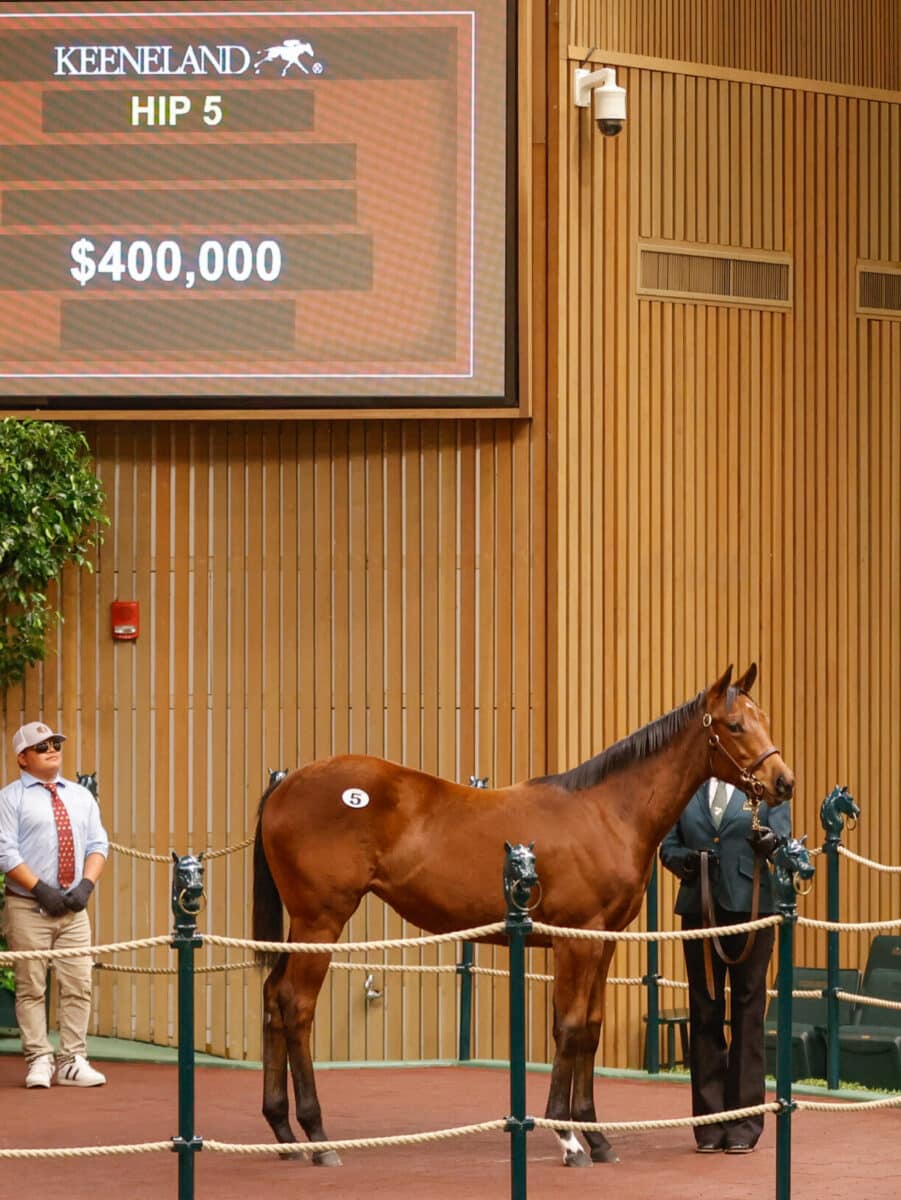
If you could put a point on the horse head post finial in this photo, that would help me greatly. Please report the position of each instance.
(520, 877)
(838, 803)
(188, 897)
(793, 868)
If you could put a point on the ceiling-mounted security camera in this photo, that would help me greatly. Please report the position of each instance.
(609, 99)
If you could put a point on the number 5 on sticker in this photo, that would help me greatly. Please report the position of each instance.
(355, 798)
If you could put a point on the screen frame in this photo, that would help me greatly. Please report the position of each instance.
(174, 406)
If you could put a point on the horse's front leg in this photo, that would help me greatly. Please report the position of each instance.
(576, 965)
(583, 1108)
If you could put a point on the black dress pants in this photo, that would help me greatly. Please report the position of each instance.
(727, 1075)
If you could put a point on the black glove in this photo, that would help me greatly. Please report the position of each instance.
(764, 841)
(691, 866)
(77, 899)
(51, 899)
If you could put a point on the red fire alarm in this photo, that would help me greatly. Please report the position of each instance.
(125, 616)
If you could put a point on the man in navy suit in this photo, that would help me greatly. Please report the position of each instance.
(724, 1076)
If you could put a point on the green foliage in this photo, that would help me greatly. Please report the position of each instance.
(51, 511)
(7, 978)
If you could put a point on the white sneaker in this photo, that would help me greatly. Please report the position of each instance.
(40, 1071)
(78, 1072)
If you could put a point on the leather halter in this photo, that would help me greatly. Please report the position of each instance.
(750, 784)
(755, 790)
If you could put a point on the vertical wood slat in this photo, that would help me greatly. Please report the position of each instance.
(830, 40)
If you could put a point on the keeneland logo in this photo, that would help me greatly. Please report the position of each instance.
(181, 60)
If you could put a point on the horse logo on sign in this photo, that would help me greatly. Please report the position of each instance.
(290, 52)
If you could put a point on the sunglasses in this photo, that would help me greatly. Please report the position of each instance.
(43, 747)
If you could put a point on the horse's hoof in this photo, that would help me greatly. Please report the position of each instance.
(292, 1156)
(327, 1158)
(604, 1154)
(576, 1158)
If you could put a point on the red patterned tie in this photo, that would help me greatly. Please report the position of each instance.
(66, 870)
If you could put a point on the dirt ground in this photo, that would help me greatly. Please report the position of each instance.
(837, 1156)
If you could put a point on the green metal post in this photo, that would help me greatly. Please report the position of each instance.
(784, 890)
(187, 897)
(519, 926)
(832, 963)
(837, 804)
(652, 1042)
(464, 970)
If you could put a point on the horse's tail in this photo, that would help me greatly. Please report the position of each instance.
(268, 925)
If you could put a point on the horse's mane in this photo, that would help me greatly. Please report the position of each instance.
(638, 745)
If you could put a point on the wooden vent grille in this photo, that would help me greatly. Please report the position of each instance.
(879, 291)
(721, 276)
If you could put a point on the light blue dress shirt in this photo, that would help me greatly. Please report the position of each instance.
(28, 828)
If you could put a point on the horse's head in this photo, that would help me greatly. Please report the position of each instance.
(793, 866)
(187, 885)
(520, 875)
(837, 804)
(740, 747)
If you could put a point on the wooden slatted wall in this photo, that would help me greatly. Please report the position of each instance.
(305, 589)
(842, 41)
(727, 475)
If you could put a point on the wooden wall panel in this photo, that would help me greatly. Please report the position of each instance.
(300, 592)
(838, 41)
(731, 467)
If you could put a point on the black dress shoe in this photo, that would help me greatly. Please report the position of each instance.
(709, 1147)
(739, 1148)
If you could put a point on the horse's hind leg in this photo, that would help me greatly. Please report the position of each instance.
(275, 1057)
(305, 975)
(290, 1002)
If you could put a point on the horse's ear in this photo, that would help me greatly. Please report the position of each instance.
(531, 845)
(507, 847)
(174, 857)
(719, 688)
(747, 680)
(804, 840)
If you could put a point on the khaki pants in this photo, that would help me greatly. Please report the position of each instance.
(28, 928)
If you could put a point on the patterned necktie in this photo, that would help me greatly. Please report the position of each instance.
(66, 868)
(718, 807)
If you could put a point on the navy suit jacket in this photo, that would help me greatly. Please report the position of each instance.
(731, 882)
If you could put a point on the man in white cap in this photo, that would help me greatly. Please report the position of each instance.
(53, 848)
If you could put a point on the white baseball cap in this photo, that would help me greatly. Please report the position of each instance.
(31, 734)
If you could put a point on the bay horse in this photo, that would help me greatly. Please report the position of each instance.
(434, 850)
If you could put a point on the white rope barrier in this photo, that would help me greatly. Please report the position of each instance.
(867, 862)
(670, 935)
(872, 1001)
(847, 1105)
(665, 1123)
(87, 1151)
(350, 947)
(850, 927)
(8, 957)
(205, 855)
(400, 1139)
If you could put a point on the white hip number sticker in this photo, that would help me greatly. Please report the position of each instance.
(355, 798)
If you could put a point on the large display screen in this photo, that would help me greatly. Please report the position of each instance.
(283, 204)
